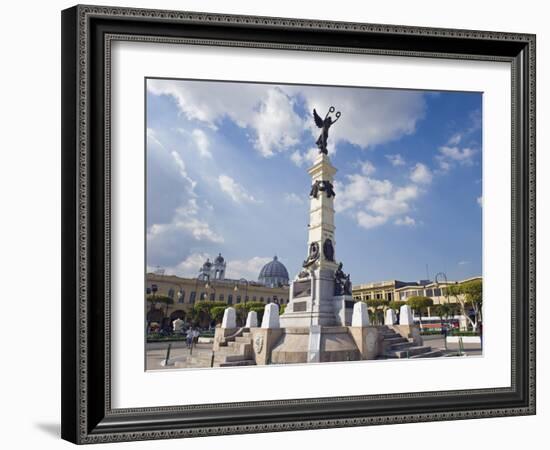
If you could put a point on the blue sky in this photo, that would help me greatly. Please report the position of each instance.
(227, 172)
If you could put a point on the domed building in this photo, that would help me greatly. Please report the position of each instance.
(273, 274)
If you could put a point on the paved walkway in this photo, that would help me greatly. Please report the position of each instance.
(181, 357)
(438, 342)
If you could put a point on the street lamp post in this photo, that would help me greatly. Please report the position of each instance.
(209, 286)
(236, 289)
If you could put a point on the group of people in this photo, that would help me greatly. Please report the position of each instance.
(191, 335)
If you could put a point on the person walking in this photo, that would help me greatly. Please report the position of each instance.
(189, 337)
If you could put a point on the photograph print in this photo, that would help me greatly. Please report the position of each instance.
(297, 224)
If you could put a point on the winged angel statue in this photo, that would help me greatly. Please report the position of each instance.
(324, 124)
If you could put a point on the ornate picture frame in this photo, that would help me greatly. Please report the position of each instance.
(87, 35)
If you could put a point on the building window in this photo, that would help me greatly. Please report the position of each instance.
(261, 299)
(238, 299)
(192, 297)
(230, 299)
(212, 297)
(390, 296)
(148, 290)
(254, 298)
(368, 296)
(246, 298)
(221, 297)
(171, 293)
(181, 296)
(203, 296)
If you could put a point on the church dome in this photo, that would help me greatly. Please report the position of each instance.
(273, 274)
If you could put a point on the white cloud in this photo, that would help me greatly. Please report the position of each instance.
(293, 199)
(265, 110)
(152, 137)
(236, 269)
(463, 263)
(235, 191)
(367, 221)
(449, 156)
(185, 220)
(358, 189)
(461, 155)
(367, 168)
(480, 201)
(389, 206)
(189, 267)
(305, 158)
(277, 126)
(455, 139)
(369, 117)
(201, 141)
(182, 170)
(405, 221)
(373, 202)
(396, 160)
(421, 174)
(247, 268)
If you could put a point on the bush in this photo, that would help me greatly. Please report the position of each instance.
(396, 305)
(462, 333)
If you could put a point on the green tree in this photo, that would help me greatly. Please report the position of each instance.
(216, 313)
(420, 304)
(242, 310)
(202, 312)
(396, 305)
(469, 295)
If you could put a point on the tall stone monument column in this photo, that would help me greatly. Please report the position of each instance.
(321, 212)
(319, 293)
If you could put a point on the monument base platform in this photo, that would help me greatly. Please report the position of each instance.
(336, 345)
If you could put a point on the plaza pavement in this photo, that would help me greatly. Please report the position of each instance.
(181, 357)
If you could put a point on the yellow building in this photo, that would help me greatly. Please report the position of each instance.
(211, 285)
(395, 290)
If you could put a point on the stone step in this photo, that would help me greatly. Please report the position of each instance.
(244, 362)
(408, 353)
(430, 354)
(395, 340)
(243, 339)
(401, 346)
(233, 358)
(247, 334)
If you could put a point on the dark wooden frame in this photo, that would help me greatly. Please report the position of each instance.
(87, 416)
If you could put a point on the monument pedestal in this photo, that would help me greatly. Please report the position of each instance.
(324, 344)
(312, 302)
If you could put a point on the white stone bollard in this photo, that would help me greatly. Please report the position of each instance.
(229, 318)
(390, 318)
(405, 315)
(360, 316)
(251, 320)
(271, 316)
